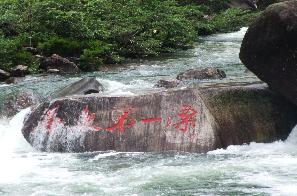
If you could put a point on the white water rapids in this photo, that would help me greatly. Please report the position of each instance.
(254, 169)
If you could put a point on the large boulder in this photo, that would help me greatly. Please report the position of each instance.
(59, 63)
(269, 48)
(202, 74)
(4, 75)
(84, 86)
(192, 120)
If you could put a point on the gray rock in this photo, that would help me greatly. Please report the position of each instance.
(84, 86)
(202, 74)
(262, 4)
(191, 120)
(14, 80)
(269, 48)
(243, 4)
(14, 102)
(19, 71)
(57, 62)
(4, 75)
(167, 83)
(32, 50)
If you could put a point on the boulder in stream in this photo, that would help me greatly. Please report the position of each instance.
(59, 63)
(14, 102)
(84, 86)
(167, 83)
(19, 71)
(191, 120)
(202, 74)
(269, 48)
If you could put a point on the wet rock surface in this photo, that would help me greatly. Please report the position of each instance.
(192, 120)
(14, 80)
(202, 74)
(88, 85)
(167, 83)
(16, 101)
(269, 48)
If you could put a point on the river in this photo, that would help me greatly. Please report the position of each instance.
(253, 169)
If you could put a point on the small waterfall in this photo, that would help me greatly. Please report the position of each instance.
(11, 138)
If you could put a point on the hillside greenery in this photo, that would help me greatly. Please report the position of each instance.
(101, 32)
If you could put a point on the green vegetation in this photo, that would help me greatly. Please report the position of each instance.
(107, 31)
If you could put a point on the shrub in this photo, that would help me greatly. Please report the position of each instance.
(232, 19)
(61, 46)
(96, 54)
(11, 54)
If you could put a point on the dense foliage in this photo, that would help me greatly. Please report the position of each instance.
(107, 31)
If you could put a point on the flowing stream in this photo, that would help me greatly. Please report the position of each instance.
(254, 169)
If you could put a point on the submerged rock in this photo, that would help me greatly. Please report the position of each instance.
(59, 63)
(167, 83)
(269, 48)
(14, 80)
(84, 86)
(16, 101)
(192, 120)
(202, 74)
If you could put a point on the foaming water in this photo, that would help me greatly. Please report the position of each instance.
(252, 169)
(11, 138)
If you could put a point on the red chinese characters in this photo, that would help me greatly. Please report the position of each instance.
(188, 117)
(51, 119)
(183, 120)
(186, 120)
(124, 122)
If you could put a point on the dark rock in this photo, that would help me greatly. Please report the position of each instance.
(14, 80)
(192, 120)
(84, 86)
(243, 4)
(75, 60)
(262, 4)
(19, 71)
(57, 62)
(4, 75)
(14, 102)
(269, 48)
(32, 50)
(167, 83)
(202, 74)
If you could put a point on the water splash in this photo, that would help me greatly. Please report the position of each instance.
(11, 138)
